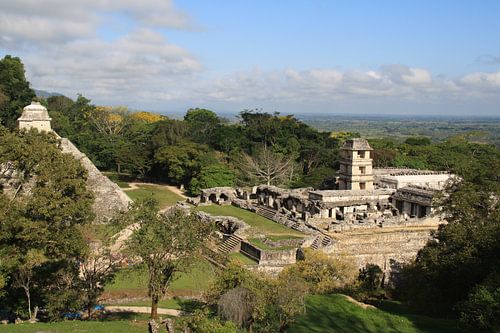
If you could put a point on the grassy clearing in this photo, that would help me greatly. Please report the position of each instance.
(121, 180)
(162, 194)
(132, 282)
(242, 259)
(122, 184)
(334, 313)
(259, 224)
(131, 323)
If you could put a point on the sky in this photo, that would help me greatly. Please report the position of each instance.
(294, 56)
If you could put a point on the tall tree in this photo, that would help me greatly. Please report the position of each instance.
(15, 91)
(39, 215)
(165, 243)
(268, 167)
(202, 123)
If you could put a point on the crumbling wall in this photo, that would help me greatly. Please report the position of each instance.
(385, 248)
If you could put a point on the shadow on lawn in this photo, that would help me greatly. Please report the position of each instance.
(334, 314)
(422, 322)
(113, 316)
(189, 305)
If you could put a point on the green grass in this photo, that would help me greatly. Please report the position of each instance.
(263, 246)
(259, 224)
(122, 184)
(117, 326)
(121, 179)
(133, 281)
(242, 259)
(163, 195)
(335, 314)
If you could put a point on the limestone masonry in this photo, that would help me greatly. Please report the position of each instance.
(380, 216)
(109, 198)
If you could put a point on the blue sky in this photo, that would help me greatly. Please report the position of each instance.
(393, 57)
(443, 36)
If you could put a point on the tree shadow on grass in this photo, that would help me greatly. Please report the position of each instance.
(421, 322)
(123, 315)
(335, 314)
(189, 305)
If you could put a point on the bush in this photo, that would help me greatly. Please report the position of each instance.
(482, 309)
(321, 273)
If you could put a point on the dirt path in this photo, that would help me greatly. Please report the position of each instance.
(176, 190)
(143, 309)
(171, 188)
(363, 305)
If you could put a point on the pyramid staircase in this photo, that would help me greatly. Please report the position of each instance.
(230, 244)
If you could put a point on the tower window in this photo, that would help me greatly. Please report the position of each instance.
(362, 170)
(362, 186)
(361, 154)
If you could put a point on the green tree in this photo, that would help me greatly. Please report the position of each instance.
(181, 161)
(39, 238)
(464, 253)
(212, 175)
(15, 91)
(202, 123)
(164, 243)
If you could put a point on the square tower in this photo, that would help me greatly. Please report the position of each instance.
(36, 116)
(355, 166)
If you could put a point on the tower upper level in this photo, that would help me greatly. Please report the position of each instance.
(356, 166)
(36, 116)
(354, 149)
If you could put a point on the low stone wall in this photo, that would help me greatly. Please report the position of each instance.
(278, 257)
(269, 257)
(251, 251)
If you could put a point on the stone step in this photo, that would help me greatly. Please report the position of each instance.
(327, 240)
(315, 243)
(229, 244)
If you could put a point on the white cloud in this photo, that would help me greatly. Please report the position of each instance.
(487, 80)
(62, 47)
(39, 22)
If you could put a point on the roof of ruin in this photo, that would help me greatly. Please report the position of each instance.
(418, 190)
(356, 144)
(34, 111)
(406, 172)
(352, 193)
(220, 189)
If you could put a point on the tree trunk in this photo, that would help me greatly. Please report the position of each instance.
(28, 297)
(154, 307)
(89, 310)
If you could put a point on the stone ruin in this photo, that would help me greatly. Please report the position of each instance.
(381, 216)
(109, 197)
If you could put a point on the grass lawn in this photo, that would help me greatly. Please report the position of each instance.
(259, 224)
(242, 259)
(163, 195)
(106, 326)
(122, 184)
(132, 282)
(263, 246)
(335, 314)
